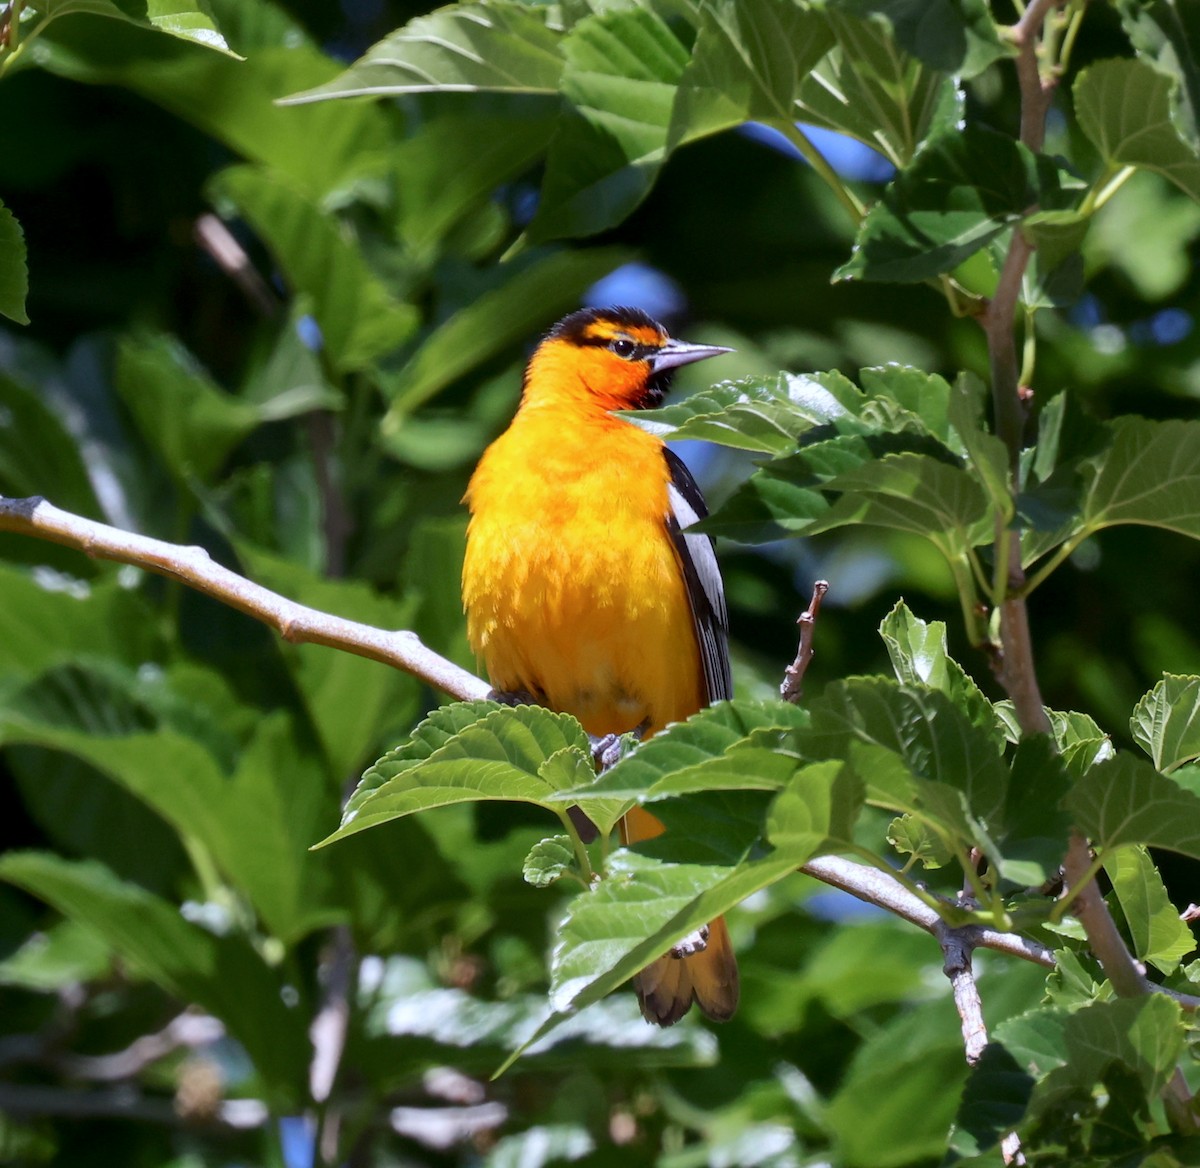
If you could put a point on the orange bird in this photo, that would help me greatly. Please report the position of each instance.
(584, 590)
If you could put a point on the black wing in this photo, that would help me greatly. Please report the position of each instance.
(702, 577)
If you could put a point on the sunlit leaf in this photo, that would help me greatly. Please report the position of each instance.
(187, 19)
(722, 748)
(461, 48)
(748, 64)
(914, 493)
(621, 72)
(1124, 107)
(1126, 801)
(507, 754)
(1159, 936)
(918, 653)
(548, 860)
(1141, 1035)
(911, 837)
(870, 88)
(1149, 474)
(935, 740)
(1166, 722)
(1167, 33)
(764, 415)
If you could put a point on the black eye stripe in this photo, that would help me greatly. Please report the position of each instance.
(639, 352)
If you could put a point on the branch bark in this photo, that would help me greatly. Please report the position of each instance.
(194, 567)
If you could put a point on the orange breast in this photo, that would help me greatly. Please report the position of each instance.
(571, 584)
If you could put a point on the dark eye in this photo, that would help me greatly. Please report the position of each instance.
(623, 347)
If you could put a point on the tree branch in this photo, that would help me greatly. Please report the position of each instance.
(957, 945)
(194, 567)
(878, 888)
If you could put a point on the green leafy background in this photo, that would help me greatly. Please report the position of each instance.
(426, 211)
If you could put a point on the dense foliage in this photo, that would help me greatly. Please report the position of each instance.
(275, 305)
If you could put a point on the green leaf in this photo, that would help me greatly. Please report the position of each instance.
(933, 737)
(914, 493)
(1032, 832)
(14, 275)
(187, 19)
(895, 1101)
(435, 731)
(500, 47)
(1142, 1034)
(622, 68)
(748, 64)
(38, 456)
(644, 905)
(994, 1099)
(1124, 107)
(255, 824)
(1149, 474)
(1126, 801)
(180, 411)
(537, 291)
(912, 837)
(961, 191)
(511, 754)
(223, 975)
(454, 164)
(54, 959)
(766, 415)
(1166, 722)
(1167, 33)
(1056, 235)
(1159, 936)
(950, 36)
(548, 861)
(360, 319)
(918, 653)
(291, 382)
(235, 101)
(351, 701)
(724, 747)
(867, 86)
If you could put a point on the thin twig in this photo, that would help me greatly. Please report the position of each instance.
(792, 686)
(194, 567)
(216, 239)
(957, 945)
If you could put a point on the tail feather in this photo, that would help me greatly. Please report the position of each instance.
(667, 987)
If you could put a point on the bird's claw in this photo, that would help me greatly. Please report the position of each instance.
(692, 944)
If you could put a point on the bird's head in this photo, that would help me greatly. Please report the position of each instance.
(621, 358)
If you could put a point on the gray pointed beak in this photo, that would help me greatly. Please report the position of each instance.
(676, 353)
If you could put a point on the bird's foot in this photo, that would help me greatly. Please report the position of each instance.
(512, 697)
(609, 749)
(692, 944)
